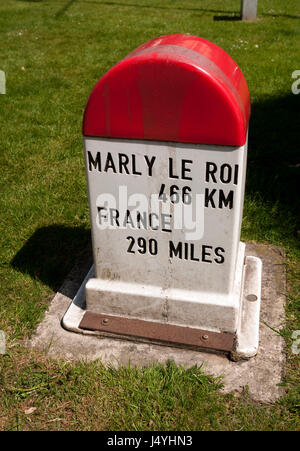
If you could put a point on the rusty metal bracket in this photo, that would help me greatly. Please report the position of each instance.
(156, 332)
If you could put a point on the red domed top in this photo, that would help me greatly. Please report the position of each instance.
(174, 88)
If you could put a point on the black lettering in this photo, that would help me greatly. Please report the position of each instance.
(94, 163)
(225, 173)
(100, 216)
(185, 170)
(209, 197)
(171, 175)
(195, 259)
(109, 164)
(150, 164)
(226, 201)
(142, 220)
(206, 254)
(236, 174)
(123, 162)
(114, 216)
(165, 223)
(218, 252)
(128, 219)
(210, 172)
(186, 251)
(174, 196)
(150, 221)
(134, 171)
(175, 251)
(131, 239)
(162, 195)
(152, 246)
(142, 243)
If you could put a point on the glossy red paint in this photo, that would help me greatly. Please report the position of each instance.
(178, 88)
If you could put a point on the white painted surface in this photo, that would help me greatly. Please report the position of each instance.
(75, 313)
(157, 284)
(248, 328)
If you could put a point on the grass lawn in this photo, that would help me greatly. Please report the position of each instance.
(52, 53)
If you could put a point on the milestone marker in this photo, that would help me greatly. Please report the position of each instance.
(165, 142)
(2, 82)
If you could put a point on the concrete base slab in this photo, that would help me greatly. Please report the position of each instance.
(247, 335)
(261, 373)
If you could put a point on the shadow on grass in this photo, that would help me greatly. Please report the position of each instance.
(273, 160)
(153, 6)
(68, 3)
(51, 252)
(227, 18)
(64, 8)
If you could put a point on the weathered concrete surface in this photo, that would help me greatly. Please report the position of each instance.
(261, 374)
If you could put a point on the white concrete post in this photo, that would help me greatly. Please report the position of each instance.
(2, 82)
(249, 9)
(165, 138)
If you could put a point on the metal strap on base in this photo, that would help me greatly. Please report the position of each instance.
(157, 332)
